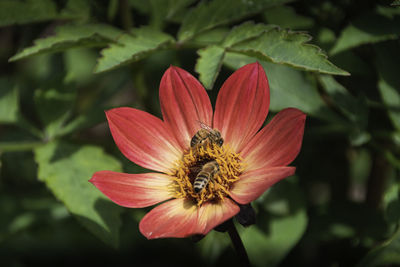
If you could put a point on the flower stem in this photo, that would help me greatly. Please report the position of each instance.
(238, 244)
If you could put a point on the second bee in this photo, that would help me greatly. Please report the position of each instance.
(208, 171)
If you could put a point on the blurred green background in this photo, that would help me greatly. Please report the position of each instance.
(64, 62)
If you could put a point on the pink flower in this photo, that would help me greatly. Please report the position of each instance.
(250, 161)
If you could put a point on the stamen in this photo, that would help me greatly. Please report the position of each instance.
(186, 170)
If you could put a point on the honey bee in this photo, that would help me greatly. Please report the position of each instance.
(208, 171)
(206, 133)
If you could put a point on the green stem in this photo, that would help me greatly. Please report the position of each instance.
(238, 244)
(19, 146)
(126, 16)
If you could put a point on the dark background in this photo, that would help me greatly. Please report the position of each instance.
(341, 208)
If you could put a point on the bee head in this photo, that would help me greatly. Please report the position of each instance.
(220, 141)
(218, 138)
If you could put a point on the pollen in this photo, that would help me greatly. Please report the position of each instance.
(186, 170)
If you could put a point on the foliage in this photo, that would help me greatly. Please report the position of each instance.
(65, 62)
(64, 168)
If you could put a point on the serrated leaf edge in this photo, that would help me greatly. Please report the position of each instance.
(161, 46)
(18, 55)
(263, 56)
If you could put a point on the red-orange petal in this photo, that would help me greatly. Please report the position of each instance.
(254, 183)
(133, 190)
(184, 103)
(213, 214)
(143, 138)
(182, 218)
(278, 143)
(242, 105)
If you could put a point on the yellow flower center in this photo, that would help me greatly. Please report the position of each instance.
(188, 168)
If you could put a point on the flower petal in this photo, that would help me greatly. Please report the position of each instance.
(278, 143)
(213, 214)
(182, 218)
(133, 190)
(253, 184)
(184, 103)
(242, 105)
(143, 138)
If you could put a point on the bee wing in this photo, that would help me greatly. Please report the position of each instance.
(205, 126)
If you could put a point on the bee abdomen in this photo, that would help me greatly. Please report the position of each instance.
(205, 175)
(201, 182)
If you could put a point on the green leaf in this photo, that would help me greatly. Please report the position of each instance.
(9, 105)
(93, 116)
(289, 48)
(286, 17)
(54, 108)
(289, 88)
(367, 29)
(143, 7)
(30, 11)
(66, 169)
(210, 37)
(392, 203)
(388, 12)
(71, 36)
(176, 6)
(391, 97)
(396, 3)
(166, 10)
(209, 64)
(245, 31)
(76, 9)
(79, 65)
(132, 48)
(275, 234)
(386, 254)
(393, 159)
(325, 38)
(20, 12)
(208, 15)
(354, 109)
(388, 57)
